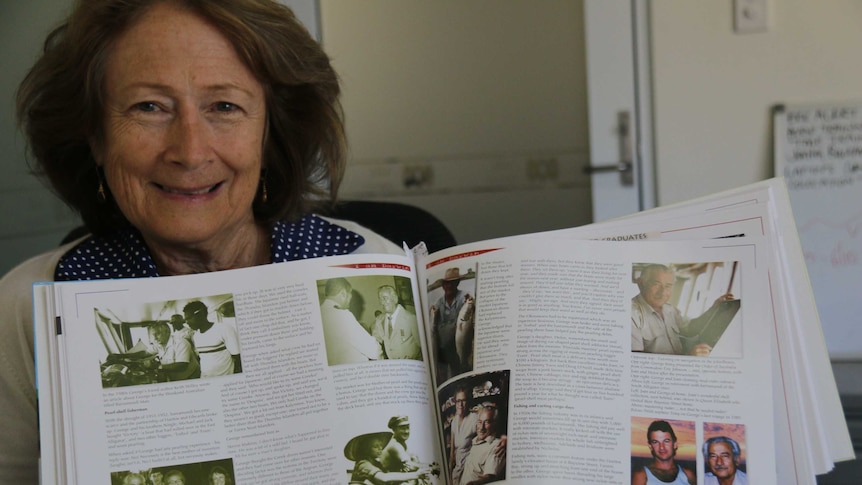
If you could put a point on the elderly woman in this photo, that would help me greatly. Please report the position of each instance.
(191, 136)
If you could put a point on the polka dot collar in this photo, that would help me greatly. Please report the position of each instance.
(124, 254)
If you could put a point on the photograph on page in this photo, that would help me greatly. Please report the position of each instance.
(366, 318)
(451, 316)
(167, 341)
(217, 472)
(474, 412)
(663, 451)
(724, 453)
(390, 445)
(686, 309)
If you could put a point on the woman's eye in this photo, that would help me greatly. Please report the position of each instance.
(225, 107)
(147, 106)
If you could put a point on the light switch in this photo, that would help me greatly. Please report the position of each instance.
(750, 16)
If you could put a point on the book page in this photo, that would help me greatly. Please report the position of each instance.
(295, 374)
(815, 409)
(51, 437)
(798, 420)
(552, 358)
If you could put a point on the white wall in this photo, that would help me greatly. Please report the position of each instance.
(714, 88)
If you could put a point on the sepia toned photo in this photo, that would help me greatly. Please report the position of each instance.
(168, 341)
(686, 309)
(218, 472)
(367, 318)
(474, 412)
(385, 456)
(452, 313)
(723, 451)
(663, 451)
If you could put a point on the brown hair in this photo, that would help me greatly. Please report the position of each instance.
(60, 104)
(662, 426)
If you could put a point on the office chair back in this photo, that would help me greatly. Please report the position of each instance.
(393, 220)
(397, 222)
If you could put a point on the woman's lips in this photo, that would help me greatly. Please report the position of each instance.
(189, 192)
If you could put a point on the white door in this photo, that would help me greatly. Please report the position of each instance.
(619, 98)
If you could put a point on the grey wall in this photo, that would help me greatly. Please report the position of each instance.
(31, 219)
(713, 90)
(496, 88)
(484, 102)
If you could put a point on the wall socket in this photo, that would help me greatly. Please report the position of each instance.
(543, 170)
(750, 16)
(418, 176)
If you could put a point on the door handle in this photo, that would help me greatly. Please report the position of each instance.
(619, 167)
(625, 167)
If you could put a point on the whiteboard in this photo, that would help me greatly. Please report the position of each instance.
(818, 150)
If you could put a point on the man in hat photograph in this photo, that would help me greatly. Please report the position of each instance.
(444, 320)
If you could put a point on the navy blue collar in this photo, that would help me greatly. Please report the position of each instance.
(124, 254)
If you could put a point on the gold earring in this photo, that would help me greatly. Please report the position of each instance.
(101, 192)
(264, 197)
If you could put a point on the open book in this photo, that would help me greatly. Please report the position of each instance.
(518, 360)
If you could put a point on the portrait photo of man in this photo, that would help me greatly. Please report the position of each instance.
(724, 454)
(671, 452)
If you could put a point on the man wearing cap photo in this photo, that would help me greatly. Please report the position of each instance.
(395, 457)
(365, 451)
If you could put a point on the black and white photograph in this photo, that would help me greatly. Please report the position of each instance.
(168, 341)
(368, 318)
(218, 472)
(386, 457)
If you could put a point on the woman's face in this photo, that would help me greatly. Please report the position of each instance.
(184, 128)
(376, 448)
